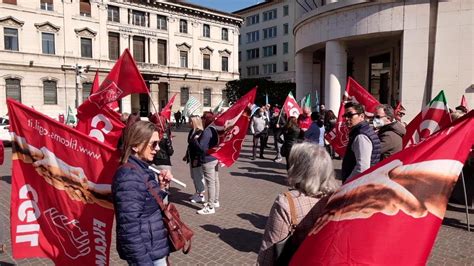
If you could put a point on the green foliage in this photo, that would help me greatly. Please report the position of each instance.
(277, 91)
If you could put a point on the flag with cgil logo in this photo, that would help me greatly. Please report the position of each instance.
(291, 107)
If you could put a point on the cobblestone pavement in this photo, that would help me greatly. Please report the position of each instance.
(232, 236)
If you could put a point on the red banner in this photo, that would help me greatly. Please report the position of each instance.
(338, 137)
(291, 107)
(105, 126)
(61, 199)
(232, 126)
(166, 112)
(392, 212)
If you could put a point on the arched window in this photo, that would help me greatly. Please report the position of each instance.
(13, 88)
(184, 95)
(50, 92)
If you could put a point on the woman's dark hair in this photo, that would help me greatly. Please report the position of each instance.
(140, 132)
(329, 115)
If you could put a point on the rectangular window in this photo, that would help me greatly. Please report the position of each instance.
(285, 10)
(270, 32)
(206, 62)
(114, 45)
(225, 63)
(86, 90)
(269, 68)
(206, 31)
(86, 47)
(253, 36)
(183, 26)
(269, 50)
(285, 66)
(269, 15)
(46, 5)
(85, 8)
(285, 48)
(10, 39)
(253, 53)
(184, 96)
(162, 52)
(225, 99)
(252, 71)
(50, 92)
(139, 48)
(113, 13)
(183, 59)
(253, 19)
(206, 99)
(162, 22)
(138, 18)
(47, 40)
(285, 28)
(13, 89)
(225, 34)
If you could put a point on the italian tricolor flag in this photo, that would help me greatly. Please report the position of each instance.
(432, 118)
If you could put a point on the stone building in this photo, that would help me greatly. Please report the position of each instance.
(179, 47)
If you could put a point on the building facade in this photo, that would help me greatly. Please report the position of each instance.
(266, 42)
(398, 50)
(179, 48)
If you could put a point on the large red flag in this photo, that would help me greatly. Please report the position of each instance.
(95, 88)
(61, 198)
(432, 118)
(232, 126)
(166, 112)
(391, 213)
(291, 107)
(338, 137)
(123, 79)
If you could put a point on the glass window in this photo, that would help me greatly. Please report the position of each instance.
(285, 28)
(206, 99)
(184, 95)
(252, 71)
(254, 19)
(114, 45)
(113, 13)
(183, 26)
(269, 15)
(50, 92)
(47, 5)
(285, 10)
(225, 34)
(206, 31)
(285, 66)
(253, 36)
(225, 99)
(48, 43)
(253, 53)
(86, 47)
(13, 89)
(269, 50)
(269, 68)
(11, 39)
(162, 22)
(270, 32)
(86, 90)
(138, 18)
(183, 59)
(162, 46)
(139, 48)
(85, 8)
(206, 62)
(285, 48)
(225, 63)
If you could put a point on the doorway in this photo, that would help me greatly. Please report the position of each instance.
(380, 77)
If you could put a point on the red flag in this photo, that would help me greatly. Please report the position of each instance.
(61, 198)
(432, 118)
(166, 111)
(291, 107)
(338, 137)
(123, 79)
(464, 102)
(105, 126)
(232, 126)
(95, 84)
(393, 211)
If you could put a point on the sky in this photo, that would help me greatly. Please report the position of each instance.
(225, 5)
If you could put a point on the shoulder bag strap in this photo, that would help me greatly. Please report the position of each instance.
(291, 203)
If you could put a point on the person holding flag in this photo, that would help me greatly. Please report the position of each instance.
(304, 119)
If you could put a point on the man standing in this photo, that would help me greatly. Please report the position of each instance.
(390, 131)
(277, 122)
(259, 129)
(363, 149)
(177, 118)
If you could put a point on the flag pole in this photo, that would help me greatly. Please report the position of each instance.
(465, 201)
(156, 111)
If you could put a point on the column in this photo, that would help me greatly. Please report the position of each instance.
(336, 74)
(147, 56)
(127, 104)
(303, 73)
(154, 90)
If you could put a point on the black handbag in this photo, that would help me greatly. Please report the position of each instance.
(284, 249)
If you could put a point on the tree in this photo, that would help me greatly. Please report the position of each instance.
(277, 91)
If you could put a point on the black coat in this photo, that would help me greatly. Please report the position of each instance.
(163, 156)
(291, 135)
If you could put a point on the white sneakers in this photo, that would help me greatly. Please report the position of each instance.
(206, 210)
(197, 198)
(217, 204)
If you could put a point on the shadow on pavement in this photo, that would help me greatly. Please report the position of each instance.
(240, 239)
(181, 198)
(257, 220)
(279, 179)
(7, 178)
(269, 163)
(456, 223)
(256, 170)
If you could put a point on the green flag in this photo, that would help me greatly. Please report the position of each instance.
(306, 101)
(191, 106)
(71, 118)
(218, 107)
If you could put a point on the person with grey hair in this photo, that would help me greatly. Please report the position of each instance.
(389, 130)
(312, 179)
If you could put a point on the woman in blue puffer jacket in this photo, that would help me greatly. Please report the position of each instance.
(142, 238)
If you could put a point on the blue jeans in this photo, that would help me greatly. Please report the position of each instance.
(160, 262)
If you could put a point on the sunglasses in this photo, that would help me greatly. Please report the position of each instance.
(350, 115)
(153, 144)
